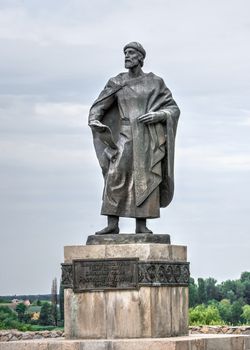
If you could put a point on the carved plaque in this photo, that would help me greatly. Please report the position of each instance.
(123, 274)
(105, 274)
(163, 273)
(67, 275)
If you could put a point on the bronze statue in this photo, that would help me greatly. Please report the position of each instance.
(134, 123)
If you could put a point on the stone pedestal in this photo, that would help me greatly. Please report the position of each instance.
(156, 308)
(193, 342)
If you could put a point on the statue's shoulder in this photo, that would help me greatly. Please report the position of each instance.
(117, 80)
(155, 77)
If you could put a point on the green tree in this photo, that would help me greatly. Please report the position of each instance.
(245, 280)
(46, 317)
(202, 296)
(211, 289)
(9, 320)
(232, 290)
(246, 314)
(225, 310)
(202, 315)
(54, 300)
(61, 301)
(237, 311)
(193, 293)
(6, 312)
(20, 310)
(245, 277)
(246, 285)
(239, 289)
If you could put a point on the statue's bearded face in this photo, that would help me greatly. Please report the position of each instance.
(132, 58)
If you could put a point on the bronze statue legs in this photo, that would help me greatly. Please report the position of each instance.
(113, 226)
(140, 226)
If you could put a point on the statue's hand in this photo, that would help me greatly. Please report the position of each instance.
(152, 117)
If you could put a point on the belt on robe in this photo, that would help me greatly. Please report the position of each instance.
(125, 122)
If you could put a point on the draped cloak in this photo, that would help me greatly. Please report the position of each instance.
(140, 179)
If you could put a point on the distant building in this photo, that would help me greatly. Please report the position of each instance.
(18, 301)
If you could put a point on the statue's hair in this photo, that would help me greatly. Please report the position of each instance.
(141, 58)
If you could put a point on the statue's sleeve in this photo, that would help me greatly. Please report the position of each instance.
(169, 105)
(105, 100)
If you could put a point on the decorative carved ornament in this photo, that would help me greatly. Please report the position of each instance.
(106, 274)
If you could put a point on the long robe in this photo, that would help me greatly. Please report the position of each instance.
(141, 179)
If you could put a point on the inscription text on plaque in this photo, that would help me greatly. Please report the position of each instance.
(101, 274)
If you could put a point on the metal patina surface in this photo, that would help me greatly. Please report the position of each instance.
(128, 239)
(105, 274)
(134, 123)
(102, 274)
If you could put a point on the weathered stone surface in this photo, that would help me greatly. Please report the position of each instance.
(145, 312)
(160, 300)
(179, 300)
(85, 315)
(175, 314)
(225, 343)
(149, 311)
(104, 345)
(13, 335)
(123, 314)
(244, 330)
(82, 252)
(146, 251)
(127, 238)
(141, 251)
(178, 253)
(144, 344)
(184, 293)
(193, 342)
(247, 343)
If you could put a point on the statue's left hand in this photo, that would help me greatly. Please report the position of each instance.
(152, 117)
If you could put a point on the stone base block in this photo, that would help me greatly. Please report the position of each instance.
(149, 251)
(147, 312)
(152, 309)
(192, 342)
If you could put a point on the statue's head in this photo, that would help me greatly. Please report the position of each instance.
(134, 54)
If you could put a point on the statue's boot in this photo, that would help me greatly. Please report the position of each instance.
(141, 226)
(112, 228)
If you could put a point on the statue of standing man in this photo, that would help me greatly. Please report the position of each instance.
(134, 123)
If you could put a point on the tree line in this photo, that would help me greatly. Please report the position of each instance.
(217, 303)
(41, 314)
(210, 303)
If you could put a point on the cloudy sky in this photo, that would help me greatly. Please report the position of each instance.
(56, 56)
